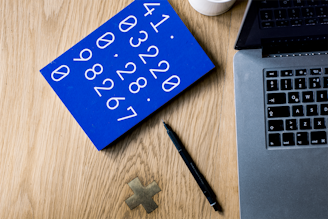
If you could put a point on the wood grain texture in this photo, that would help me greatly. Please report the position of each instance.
(50, 169)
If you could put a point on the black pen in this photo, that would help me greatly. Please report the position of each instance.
(202, 183)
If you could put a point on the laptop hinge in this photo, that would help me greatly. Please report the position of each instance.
(279, 55)
(300, 46)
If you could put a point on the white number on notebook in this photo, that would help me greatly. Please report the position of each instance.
(139, 39)
(59, 72)
(130, 116)
(127, 23)
(162, 21)
(84, 58)
(97, 69)
(119, 72)
(116, 100)
(149, 55)
(149, 12)
(105, 88)
(152, 71)
(138, 85)
(104, 41)
(170, 83)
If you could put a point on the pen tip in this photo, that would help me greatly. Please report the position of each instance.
(165, 124)
(217, 207)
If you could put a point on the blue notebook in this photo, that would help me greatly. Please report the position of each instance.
(127, 69)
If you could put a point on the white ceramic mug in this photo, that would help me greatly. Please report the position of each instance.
(211, 7)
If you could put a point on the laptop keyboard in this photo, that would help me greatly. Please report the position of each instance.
(296, 106)
(286, 13)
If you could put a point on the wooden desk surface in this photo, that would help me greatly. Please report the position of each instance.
(50, 169)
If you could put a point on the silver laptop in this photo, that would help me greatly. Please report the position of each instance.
(281, 83)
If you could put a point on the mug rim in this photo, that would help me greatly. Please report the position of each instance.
(220, 1)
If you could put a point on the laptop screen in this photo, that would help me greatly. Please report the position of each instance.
(285, 26)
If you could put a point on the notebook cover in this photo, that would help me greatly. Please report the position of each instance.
(126, 69)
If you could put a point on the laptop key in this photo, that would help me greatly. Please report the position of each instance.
(324, 109)
(298, 111)
(319, 123)
(269, 4)
(310, 21)
(315, 71)
(319, 137)
(323, 20)
(286, 84)
(296, 23)
(268, 24)
(314, 82)
(302, 138)
(280, 14)
(301, 72)
(274, 140)
(321, 11)
(276, 125)
(288, 139)
(308, 12)
(313, 2)
(308, 96)
(325, 82)
(285, 3)
(291, 124)
(311, 110)
(294, 13)
(276, 98)
(280, 111)
(285, 73)
(266, 15)
(271, 74)
(305, 124)
(272, 85)
(326, 71)
(282, 23)
(300, 83)
(322, 96)
(299, 3)
(293, 97)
